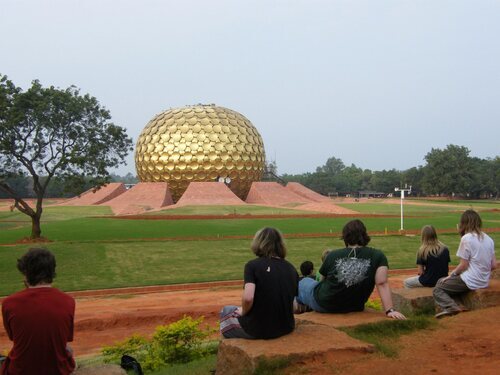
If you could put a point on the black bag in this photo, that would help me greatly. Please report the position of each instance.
(130, 363)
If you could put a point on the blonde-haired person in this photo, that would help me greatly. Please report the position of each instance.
(432, 260)
(266, 310)
(477, 258)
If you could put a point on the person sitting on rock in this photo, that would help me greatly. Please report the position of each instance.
(349, 276)
(270, 287)
(307, 270)
(432, 260)
(477, 259)
(39, 320)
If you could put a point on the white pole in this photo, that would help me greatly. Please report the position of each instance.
(402, 190)
(402, 197)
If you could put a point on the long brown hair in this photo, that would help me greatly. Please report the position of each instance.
(269, 242)
(470, 222)
(430, 245)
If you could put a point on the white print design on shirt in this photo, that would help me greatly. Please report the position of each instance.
(352, 271)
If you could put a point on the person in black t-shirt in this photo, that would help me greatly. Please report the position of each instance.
(270, 288)
(432, 260)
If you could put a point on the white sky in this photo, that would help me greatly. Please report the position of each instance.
(374, 83)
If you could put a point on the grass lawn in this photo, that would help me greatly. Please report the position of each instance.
(229, 210)
(96, 265)
(424, 206)
(108, 229)
(94, 251)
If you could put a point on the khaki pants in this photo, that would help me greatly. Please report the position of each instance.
(445, 289)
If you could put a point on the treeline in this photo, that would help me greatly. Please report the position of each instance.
(448, 172)
(59, 188)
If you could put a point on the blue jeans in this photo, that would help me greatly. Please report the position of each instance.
(306, 294)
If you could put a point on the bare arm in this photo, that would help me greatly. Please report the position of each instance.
(247, 298)
(420, 269)
(385, 293)
(462, 266)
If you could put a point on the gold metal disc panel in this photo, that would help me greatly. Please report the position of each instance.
(200, 143)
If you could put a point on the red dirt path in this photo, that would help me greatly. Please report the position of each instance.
(467, 343)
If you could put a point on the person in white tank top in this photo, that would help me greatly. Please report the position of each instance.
(477, 259)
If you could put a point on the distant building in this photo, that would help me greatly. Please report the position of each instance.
(371, 194)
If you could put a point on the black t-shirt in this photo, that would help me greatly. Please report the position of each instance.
(275, 282)
(349, 279)
(435, 267)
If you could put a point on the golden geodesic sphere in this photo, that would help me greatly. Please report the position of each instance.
(200, 143)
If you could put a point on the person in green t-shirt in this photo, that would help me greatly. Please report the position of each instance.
(348, 277)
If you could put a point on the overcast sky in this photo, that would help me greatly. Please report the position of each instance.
(374, 83)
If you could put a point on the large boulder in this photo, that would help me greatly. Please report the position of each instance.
(240, 356)
(342, 320)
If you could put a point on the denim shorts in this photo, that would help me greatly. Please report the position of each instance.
(306, 294)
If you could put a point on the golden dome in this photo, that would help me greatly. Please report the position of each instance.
(200, 143)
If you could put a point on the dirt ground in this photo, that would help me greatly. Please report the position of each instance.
(468, 343)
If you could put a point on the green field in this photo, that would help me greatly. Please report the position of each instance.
(96, 251)
(229, 210)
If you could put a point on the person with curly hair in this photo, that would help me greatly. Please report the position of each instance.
(39, 320)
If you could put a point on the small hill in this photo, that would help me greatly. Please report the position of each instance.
(208, 193)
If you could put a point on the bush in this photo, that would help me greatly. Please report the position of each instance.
(178, 342)
(374, 304)
(136, 346)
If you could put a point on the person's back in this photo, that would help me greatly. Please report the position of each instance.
(270, 286)
(349, 278)
(477, 258)
(275, 288)
(436, 267)
(479, 250)
(39, 320)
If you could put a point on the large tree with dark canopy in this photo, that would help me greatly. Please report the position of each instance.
(449, 171)
(46, 133)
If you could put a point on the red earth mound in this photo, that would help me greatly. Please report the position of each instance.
(272, 193)
(307, 193)
(144, 196)
(97, 196)
(208, 193)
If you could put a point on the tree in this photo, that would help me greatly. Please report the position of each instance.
(449, 171)
(386, 181)
(332, 167)
(48, 133)
(495, 175)
(413, 177)
(350, 179)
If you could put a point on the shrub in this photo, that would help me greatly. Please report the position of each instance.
(374, 304)
(136, 345)
(178, 342)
